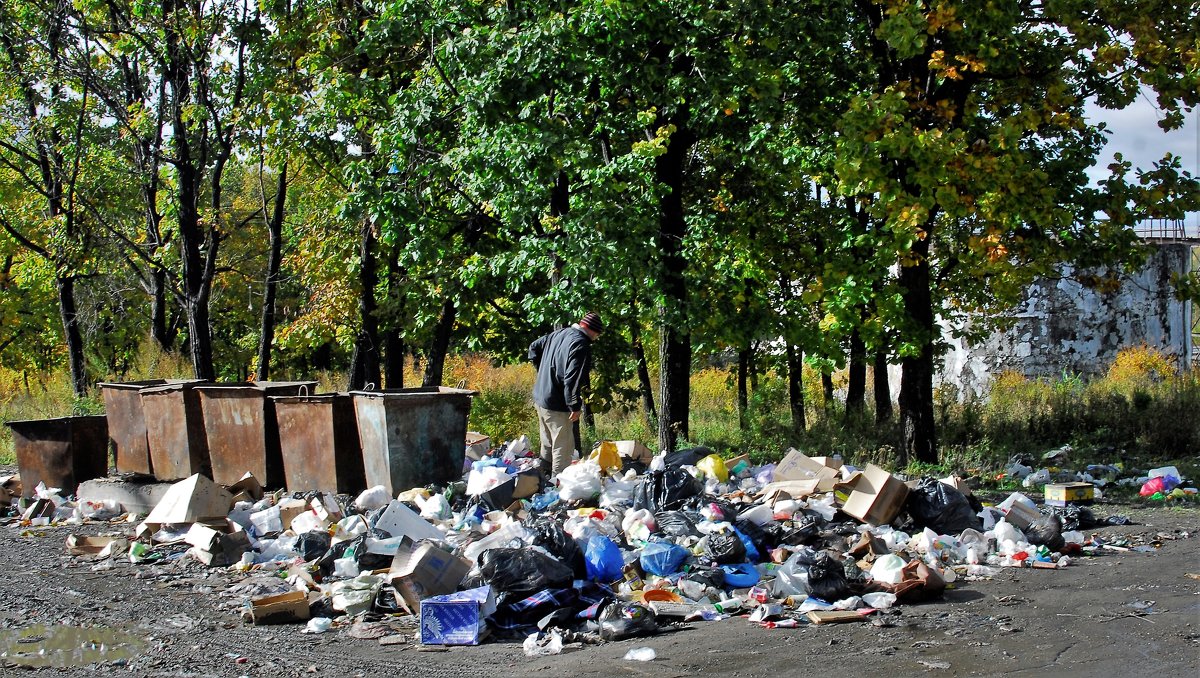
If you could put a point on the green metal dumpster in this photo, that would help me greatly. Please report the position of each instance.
(412, 437)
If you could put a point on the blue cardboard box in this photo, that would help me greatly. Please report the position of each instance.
(457, 618)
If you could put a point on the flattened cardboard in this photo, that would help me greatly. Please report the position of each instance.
(797, 466)
(834, 616)
(79, 545)
(424, 571)
(793, 488)
(877, 496)
(193, 499)
(283, 608)
(528, 484)
(400, 521)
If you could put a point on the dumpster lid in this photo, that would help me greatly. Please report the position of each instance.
(417, 392)
(132, 385)
(33, 423)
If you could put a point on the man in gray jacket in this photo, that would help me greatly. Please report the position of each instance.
(562, 360)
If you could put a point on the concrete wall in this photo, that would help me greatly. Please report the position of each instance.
(1063, 326)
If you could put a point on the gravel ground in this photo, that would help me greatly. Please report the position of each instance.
(1116, 613)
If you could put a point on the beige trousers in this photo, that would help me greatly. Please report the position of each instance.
(558, 439)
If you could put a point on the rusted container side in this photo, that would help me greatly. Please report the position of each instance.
(318, 439)
(175, 430)
(60, 452)
(127, 424)
(412, 437)
(243, 435)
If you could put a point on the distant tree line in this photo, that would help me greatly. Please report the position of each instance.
(291, 185)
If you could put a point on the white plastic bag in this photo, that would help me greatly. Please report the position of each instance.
(579, 481)
(373, 498)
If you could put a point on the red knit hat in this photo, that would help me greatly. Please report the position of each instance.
(592, 321)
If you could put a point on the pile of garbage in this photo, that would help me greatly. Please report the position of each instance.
(1158, 484)
(621, 544)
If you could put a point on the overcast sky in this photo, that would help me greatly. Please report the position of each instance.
(1134, 133)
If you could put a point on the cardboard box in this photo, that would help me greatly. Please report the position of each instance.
(1061, 494)
(283, 608)
(1021, 516)
(834, 616)
(797, 466)
(477, 445)
(193, 499)
(634, 450)
(424, 571)
(78, 545)
(457, 618)
(877, 496)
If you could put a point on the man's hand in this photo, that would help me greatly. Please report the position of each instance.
(575, 415)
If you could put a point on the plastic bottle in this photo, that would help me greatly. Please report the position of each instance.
(728, 605)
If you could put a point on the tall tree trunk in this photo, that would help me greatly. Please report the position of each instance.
(675, 350)
(266, 336)
(364, 363)
(916, 381)
(70, 321)
(394, 346)
(827, 390)
(196, 276)
(856, 388)
(743, 396)
(643, 373)
(795, 364)
(883, 388)
(436, 365)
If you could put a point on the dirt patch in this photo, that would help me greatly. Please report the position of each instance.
(1114, 613)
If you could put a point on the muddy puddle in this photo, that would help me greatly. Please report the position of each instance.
(66, 646)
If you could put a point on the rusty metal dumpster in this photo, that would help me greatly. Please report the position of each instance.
(60, 452)
(243, 434)
(318, 438)
(412, 437)
(175, 430)
(127, 424)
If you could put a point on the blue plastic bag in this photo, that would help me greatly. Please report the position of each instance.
(603, 557)
(662, 558)
(752, 553)
(741, 576)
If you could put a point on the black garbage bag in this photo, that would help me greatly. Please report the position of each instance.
(665, 490)
(620, 620)
(675, 524)
(338, 550)
(762, 540)
(549, 534)
(941, 508)
(1046, 531)
(687, 457)
(699, 503)
(386, 601)
(826, 574)
(313, 545)
(519, 573)
(725, 548)
(707, 576)
(369, 561)
(803, 530)
(1073, 517)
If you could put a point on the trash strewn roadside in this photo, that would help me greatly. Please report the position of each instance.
(623, 544)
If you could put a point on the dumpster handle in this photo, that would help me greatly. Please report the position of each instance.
(370, 386)
(461, 385)
(304, 390)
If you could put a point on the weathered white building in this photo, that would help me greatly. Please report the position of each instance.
(1062, 325)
